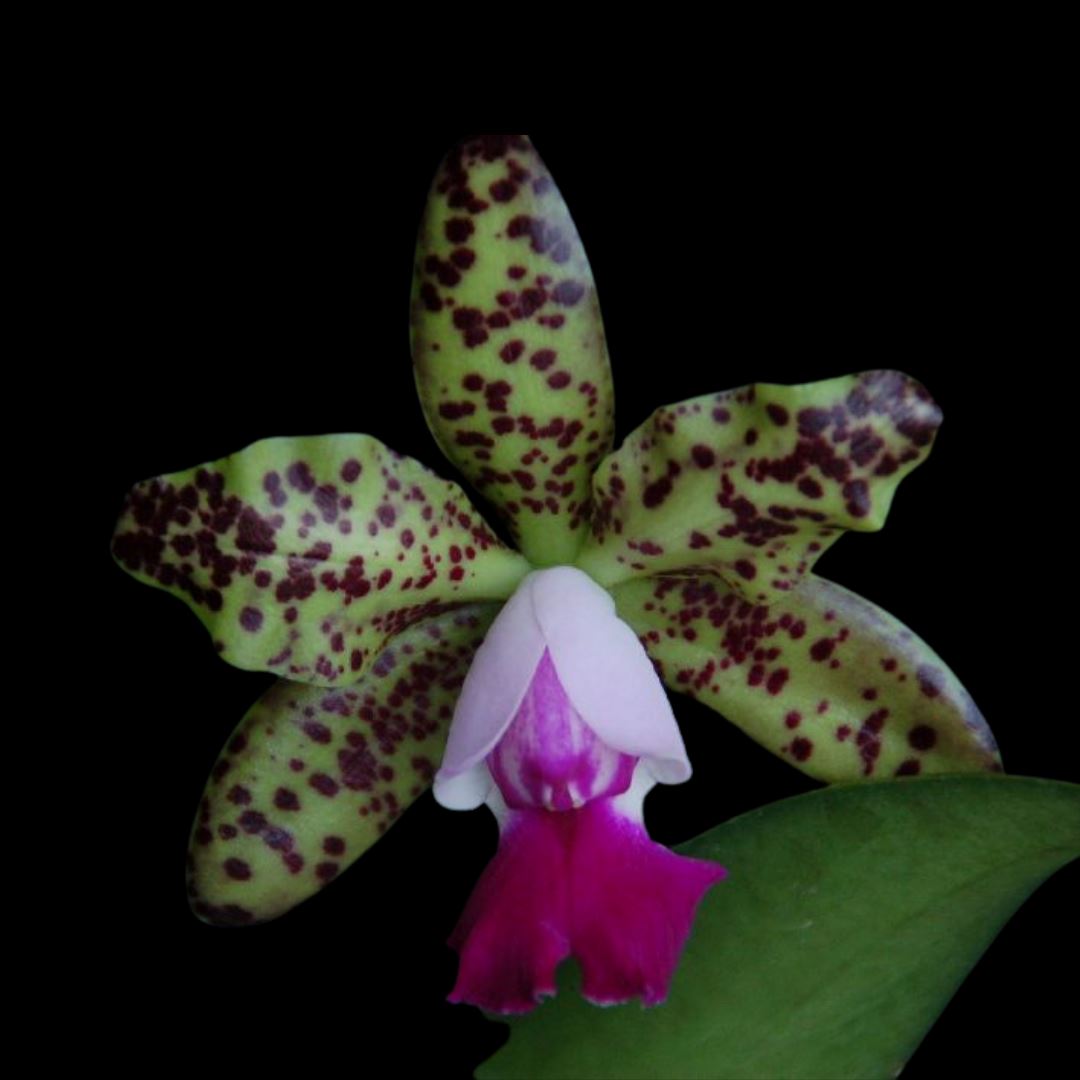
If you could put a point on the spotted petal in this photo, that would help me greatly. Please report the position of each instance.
(312, 777)
(754, 484)
(821, 677)
(508, 343)
(304, 556)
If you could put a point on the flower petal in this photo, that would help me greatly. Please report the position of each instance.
(600, 663)
(586, 881)
(606, 673)
(515, 927)
(633, 906)
(312, 777)
(754, 484)
(821, 677)
(508, 342)
(304, 556)
(494, 688)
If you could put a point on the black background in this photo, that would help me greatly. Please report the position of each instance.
(248, 267)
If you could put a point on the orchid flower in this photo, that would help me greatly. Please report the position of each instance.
(376, 592)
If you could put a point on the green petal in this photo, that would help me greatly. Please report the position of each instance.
(508, 343)
(303, 556)
(821, 677)
(849, 918)
(754, 484)
(312, 777)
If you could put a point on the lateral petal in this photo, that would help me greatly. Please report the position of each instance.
(754, 484)
(313, 776)
(821, 677)
(304, 556)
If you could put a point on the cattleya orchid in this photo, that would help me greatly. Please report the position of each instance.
(376, 592)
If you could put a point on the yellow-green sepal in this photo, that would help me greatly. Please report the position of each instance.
(313, 776)
(824, 679)
(754, 484)
(304, 556)
(508, 343)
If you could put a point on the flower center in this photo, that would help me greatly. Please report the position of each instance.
(549, 757)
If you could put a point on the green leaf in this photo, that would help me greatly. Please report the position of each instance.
(754, 484)
(508, 343)
(312, 777)
(821, 677)
(849, 918)
(304, 556)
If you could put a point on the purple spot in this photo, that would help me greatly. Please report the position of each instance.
(931, 681)
(324, 785)
(746, 569)
(777, 680)
(922, 737)
(857, 498)
(813, 421)
(239, 795)
(317, 732)
(777, 414)
(237, 869)
(333, 845)
(801, 749)
(299, 476)
(455, 410)
(463, 258)
(251, 619)
(512, 351)
(253, 533)
(326, 871)
(568, 293)
(822, 649)
(810, 488)
(703, 456)
(358, 768)
(284, 799)
(458, 230)
(911, 767)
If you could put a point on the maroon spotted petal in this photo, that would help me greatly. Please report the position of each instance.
(313, 776)
(508, 342)
(821, 677)
(303, 557)
(754, 484)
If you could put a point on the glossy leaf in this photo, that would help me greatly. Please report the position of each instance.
(312, 777)
(508, 343)
(849, 918)
(304, 556)
(754, 484)
(821, 677)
